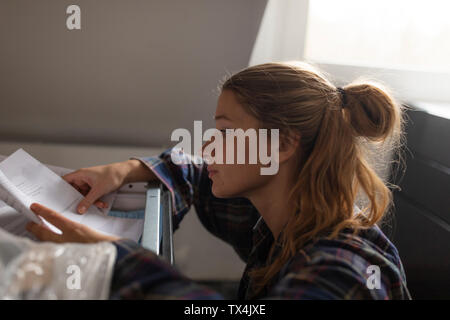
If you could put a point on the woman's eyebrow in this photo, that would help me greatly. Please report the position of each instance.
(224, 117)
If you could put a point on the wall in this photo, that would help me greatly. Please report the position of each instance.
(135, 71)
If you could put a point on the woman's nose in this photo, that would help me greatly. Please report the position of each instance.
(205, 145)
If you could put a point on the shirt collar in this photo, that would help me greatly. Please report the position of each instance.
(260, 231)
(263, 237)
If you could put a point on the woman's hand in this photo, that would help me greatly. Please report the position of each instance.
(95, 182)
(71, 230)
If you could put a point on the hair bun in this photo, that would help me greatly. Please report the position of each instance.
(371, 110)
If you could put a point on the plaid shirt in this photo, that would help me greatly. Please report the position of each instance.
(323, 269)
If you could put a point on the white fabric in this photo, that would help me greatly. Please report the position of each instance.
(45, 270)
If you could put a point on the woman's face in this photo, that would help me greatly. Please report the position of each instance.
(235, 180)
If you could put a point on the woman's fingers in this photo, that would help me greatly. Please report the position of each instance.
(93, 183)
(79, 180)
(42, 232)
(71, 231)
(84, 189)
(101, 204)
(74, 176)
(89, 199)
(53, 217)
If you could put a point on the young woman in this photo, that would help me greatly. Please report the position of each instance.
(299, 230)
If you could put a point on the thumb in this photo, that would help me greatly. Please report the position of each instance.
(88, 200)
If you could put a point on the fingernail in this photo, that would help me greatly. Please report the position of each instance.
(33, 206)
(82, 210)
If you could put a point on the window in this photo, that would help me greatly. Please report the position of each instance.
(403, 43)
(400, 34)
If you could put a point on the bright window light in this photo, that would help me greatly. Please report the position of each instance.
(400, 34)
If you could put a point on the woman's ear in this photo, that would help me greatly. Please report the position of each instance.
(289, 144)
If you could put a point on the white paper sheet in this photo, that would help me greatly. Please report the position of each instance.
(13, 221)
(37, 183)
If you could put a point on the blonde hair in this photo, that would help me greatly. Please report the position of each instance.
(333, 168)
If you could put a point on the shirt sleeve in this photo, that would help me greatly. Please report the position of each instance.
(141, 274)
(229, 219)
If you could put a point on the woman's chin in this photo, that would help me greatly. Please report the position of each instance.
(217, 192)
(222, 192)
